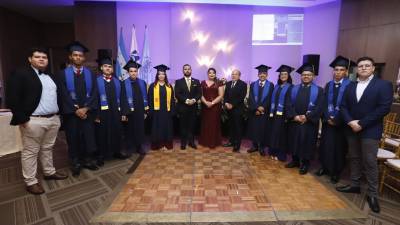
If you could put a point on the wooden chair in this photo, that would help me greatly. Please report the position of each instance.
(389, 146)
(391, 175)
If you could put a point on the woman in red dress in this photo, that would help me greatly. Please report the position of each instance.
(213, 92)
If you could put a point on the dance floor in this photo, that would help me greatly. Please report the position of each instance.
(220, 186)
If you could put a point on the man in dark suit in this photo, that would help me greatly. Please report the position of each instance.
(363, 107)
(32, 96)
(187, 92)
(235, 92)
(79, 98)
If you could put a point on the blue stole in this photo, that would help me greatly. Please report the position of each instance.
(256, 85)
(332, 111)
(281, 103)
(69, 78)
(313, 95)
(130, 94)
(102, 91)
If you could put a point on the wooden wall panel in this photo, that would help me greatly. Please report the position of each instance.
(384, 12)
(95, 26)
(354, 14)
(352, 42)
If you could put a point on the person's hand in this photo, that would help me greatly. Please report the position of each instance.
(228, 106)
(297, 119)
(303, 119)
(331, 122)
(261, 109)
(97, 120)
(82, 112)
(258, 113)
(124, 118)
(24, 125)
(355, 126)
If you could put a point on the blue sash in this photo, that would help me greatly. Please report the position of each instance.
(256, 85)
(69, 78)
(313, 95)
(281, 103)
(332, 111)
(129, 93)
(102, 91)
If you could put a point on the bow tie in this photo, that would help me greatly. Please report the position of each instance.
(108, 79)
(40, 72)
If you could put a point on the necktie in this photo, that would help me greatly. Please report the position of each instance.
(40, 72)
(108, 79)
(262, 84)
(188, 83)
(233, 84)
(78, 72)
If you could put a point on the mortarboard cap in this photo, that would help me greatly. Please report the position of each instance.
(285, 68)
(306, 67)
(342, 61)
(262, 68)
(161, 67)
(76, 46)
(132, 64)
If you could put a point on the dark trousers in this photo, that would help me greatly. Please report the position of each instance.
(187, 122)
(363, 155)
(235, 127)
(80, 138)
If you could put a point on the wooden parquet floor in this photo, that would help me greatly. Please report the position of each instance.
(220, 186)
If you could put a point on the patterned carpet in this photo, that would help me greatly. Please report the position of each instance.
(76, 200)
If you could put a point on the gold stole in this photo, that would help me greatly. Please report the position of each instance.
(156, 97)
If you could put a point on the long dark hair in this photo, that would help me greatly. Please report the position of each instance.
(166, 78)
(289, 80)
(215, 71)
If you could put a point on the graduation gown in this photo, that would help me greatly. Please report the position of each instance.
(302, 138)
(136, 120)
(333, 145)
(162, 119)
(80, 134)
(278, 126)
(257, 123)
(109, 129)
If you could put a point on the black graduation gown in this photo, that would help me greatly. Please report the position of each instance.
(80, 134)
(257, 124)
(333, 145)
(136, 125)
(109, 129)
(278, 126)
(302, 138)
(162, 129)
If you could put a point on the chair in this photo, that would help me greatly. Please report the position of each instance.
(391, 169)
(389, 147)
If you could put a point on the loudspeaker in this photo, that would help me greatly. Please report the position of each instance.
(312, 59)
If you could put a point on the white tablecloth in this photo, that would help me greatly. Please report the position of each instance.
(10, 137)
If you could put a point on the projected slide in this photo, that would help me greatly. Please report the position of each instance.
(277, 29)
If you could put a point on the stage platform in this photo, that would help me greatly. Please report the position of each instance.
(220, 186)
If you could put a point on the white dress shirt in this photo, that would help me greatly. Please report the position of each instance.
(48, 99)
(361, 85)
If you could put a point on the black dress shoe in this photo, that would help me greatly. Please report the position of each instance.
(335, 179)
(252, 149)
(303, 170)
(262, 153)
(183, 147)
(100, 163)
(56, 176)
(373, 204)
(236, 149)
(349, 189)
(76, 170)
(120, 155)
(192, 145)
(226, 145)
(292, 164)
(90, 166)
(320, 172)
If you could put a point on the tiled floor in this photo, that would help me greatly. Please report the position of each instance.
(220, 186)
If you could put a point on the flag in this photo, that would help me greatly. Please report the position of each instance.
(145, 72)
(122, 58)
(134, 52)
